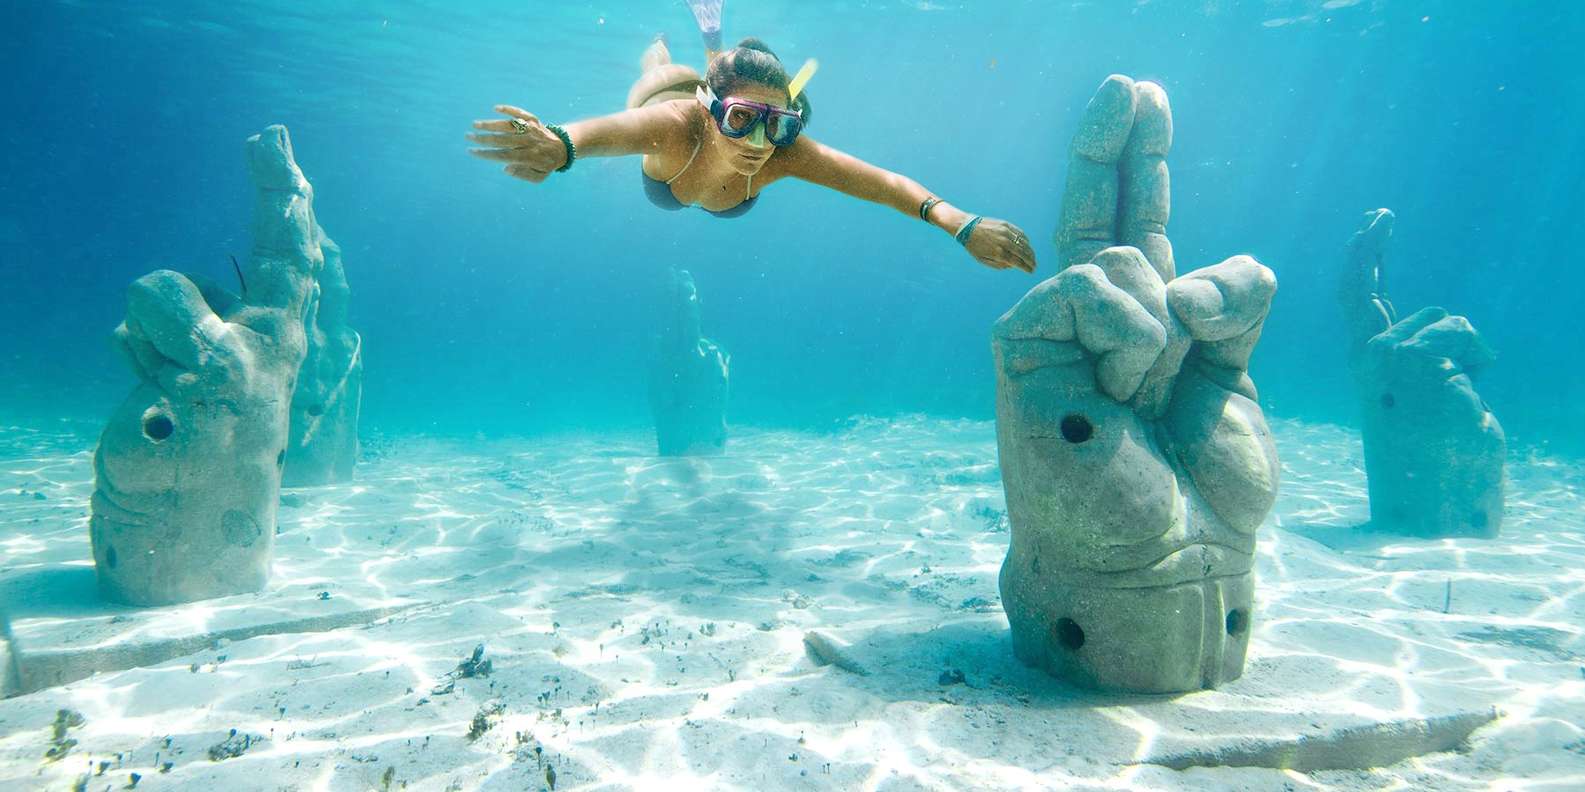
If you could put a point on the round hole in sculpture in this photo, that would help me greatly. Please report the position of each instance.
(158, 426)
(1076, 428)
(110, 557)
(316, 410)
(1237, 621)
(1069, 634)
(1387, 400)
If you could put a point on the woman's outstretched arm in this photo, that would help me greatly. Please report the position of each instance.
(531, 151)
(995, 243)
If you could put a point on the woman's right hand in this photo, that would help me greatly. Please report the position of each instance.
(999, 244)
(530, 150)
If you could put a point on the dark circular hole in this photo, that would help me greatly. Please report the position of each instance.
(158, 427)
(1069, 634)
(110, 557)
(316, 410)
(1076, 428)
(1387, 400)
(1237, 621)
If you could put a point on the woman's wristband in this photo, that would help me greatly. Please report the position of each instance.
(963, 234)
(926, 206)
(566, 142)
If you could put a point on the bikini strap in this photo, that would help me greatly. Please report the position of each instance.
(691, 157)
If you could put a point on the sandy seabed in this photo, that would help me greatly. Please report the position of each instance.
(644, 622)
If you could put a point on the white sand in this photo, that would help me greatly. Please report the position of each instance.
(645, 619)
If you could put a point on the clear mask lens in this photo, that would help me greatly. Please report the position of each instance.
(739, 119)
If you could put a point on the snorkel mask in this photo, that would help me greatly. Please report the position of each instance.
(739, 118)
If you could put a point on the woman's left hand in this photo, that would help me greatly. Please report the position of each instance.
(999, 244)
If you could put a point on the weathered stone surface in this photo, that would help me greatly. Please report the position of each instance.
(688, 378)
(1351, 748)
(188, 469)
(1434, 452)
(1118, 190)
(323, 446)
(1136, 461)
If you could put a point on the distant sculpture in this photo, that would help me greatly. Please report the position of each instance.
(1362, 290)
(188, 470)
(1135, 458)
(1434, 451)
(324, 433)
(688, 378)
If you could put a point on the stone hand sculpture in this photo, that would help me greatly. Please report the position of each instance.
(1136, 461)
(1434, 451)
(188, 470)
(688, 378)
(324, 436)
(1362, 289)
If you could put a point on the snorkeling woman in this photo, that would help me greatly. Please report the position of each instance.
(717, 143)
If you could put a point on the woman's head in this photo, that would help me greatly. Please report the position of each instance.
(752, 64)
(750, 71)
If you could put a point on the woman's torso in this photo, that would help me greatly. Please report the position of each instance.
(682, 170)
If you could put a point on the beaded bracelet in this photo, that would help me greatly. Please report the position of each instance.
(924, 208)
(963, 234)
(566, 141)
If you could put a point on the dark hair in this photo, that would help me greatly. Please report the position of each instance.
(752, 62)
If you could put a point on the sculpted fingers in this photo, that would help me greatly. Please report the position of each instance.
(1089, 200)
(1224, 307)
(1146, 199)
(1080, 305)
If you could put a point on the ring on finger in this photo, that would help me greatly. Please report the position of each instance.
(519, 126)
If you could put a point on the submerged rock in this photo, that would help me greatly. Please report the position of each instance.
(1355, 748)
(1136, 461)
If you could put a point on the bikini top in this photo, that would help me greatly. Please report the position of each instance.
(660, 193)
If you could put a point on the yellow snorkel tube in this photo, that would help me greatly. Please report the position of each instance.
(801, 79)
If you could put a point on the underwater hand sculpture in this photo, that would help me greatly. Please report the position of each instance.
(1434, 451)
(188, 470)
(688, 378)
(1136, 461)
(324, 436)
(1362, 289)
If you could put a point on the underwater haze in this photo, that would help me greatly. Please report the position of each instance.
(492, 306)
(860, 512)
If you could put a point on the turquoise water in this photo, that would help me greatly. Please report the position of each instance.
(488, 305)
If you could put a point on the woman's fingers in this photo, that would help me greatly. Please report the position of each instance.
(493, 125)
(508, 141)
(517, 112)
(526, 173)
(500, 155)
